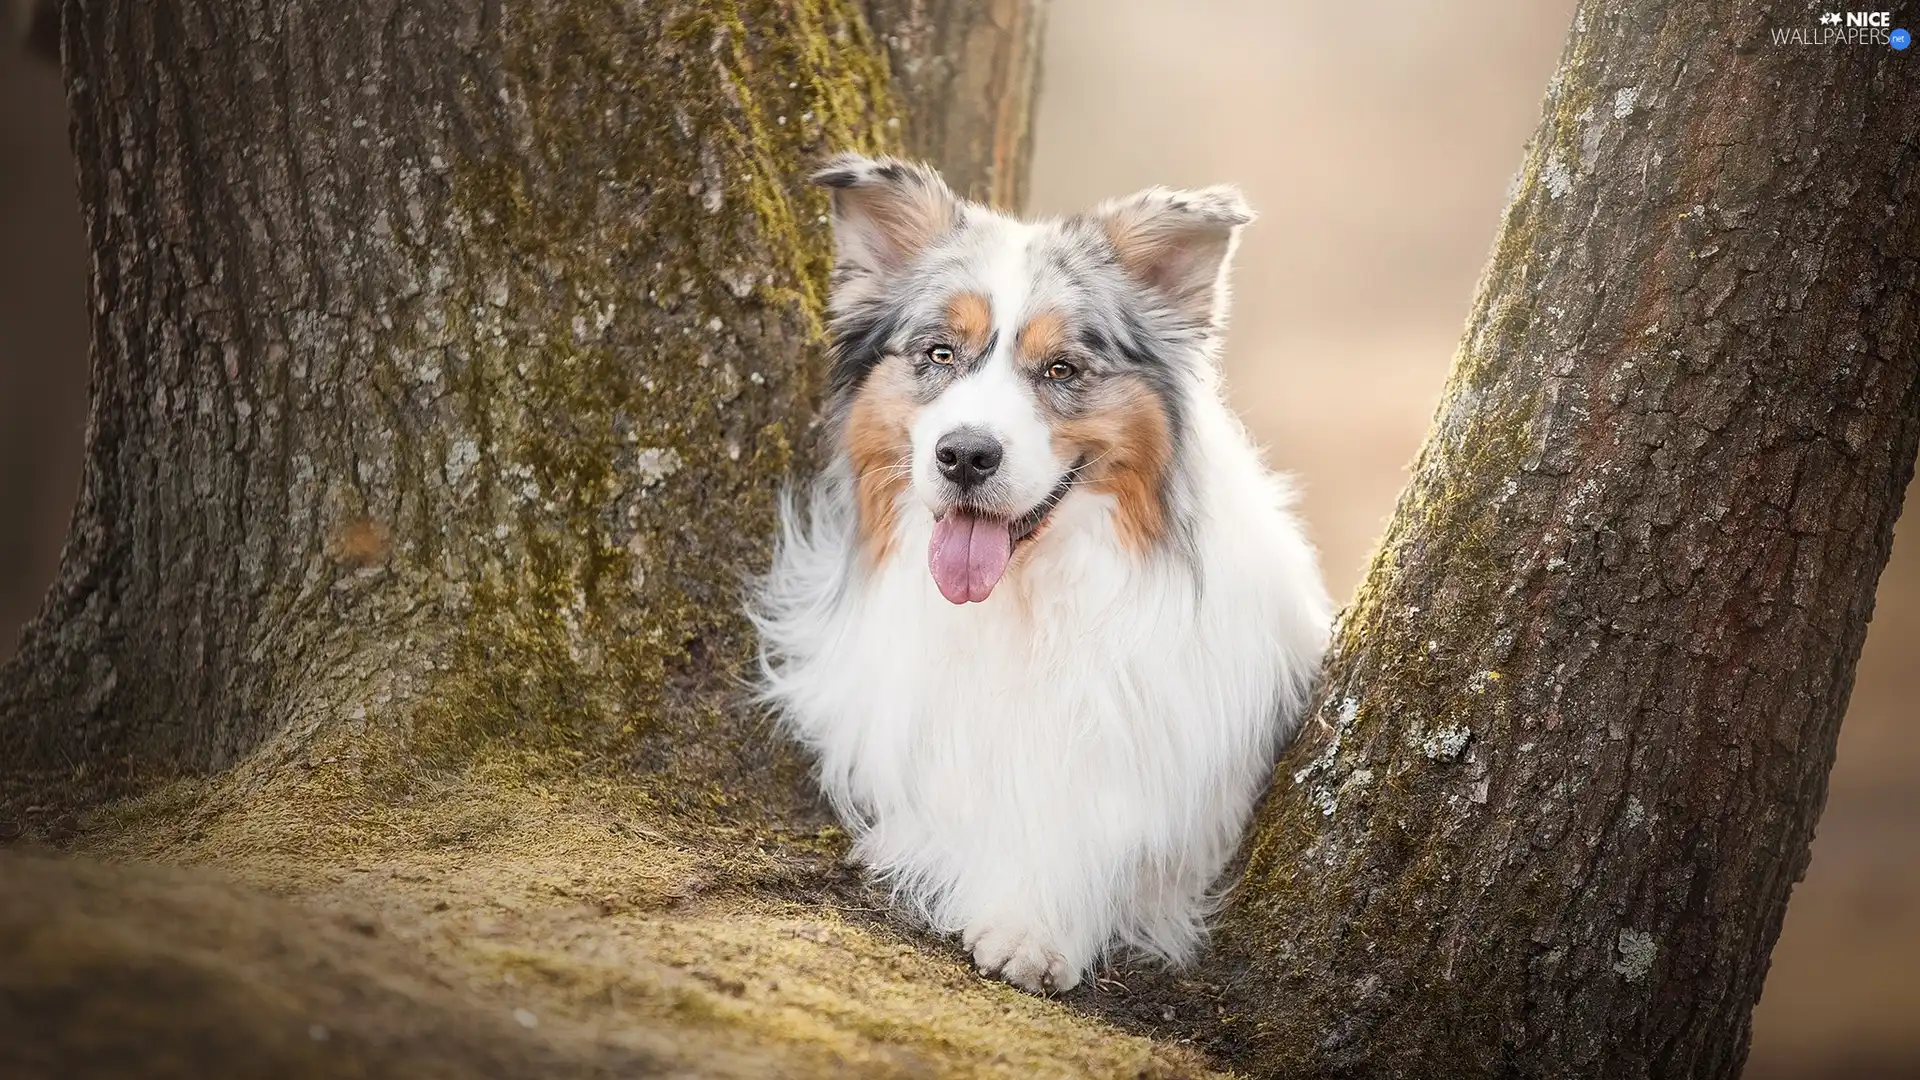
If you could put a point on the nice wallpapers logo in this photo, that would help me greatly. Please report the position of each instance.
(1847, 28)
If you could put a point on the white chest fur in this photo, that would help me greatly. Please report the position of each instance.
(1065, 768)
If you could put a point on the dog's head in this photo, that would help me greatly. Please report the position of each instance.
(993, 368)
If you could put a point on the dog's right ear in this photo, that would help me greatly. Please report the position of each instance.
(1179, 244)
(885, 211)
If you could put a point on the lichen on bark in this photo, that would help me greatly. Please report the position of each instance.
(644, 201)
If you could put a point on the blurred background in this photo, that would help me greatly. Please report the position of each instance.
(1377, 142)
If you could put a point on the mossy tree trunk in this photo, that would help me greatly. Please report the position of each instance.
(445, 357)
(1577, 728)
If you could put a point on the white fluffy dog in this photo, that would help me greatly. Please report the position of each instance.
(1047, 619)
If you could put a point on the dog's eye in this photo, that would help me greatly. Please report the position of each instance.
(1061, 371)
(940, 354)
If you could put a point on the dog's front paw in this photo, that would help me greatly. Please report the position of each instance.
(1021, 956)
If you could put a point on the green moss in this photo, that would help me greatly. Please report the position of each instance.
(654, 370)
(581, 901)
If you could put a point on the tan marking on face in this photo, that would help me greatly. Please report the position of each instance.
(880, 449)
(1041, 340)
(1128, 446)
(970, 317)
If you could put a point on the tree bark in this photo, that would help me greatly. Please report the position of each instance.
(1578, 721)
(967, 74)
(445, 357)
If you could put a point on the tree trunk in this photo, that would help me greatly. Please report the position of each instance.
(968, 73)
(448, 353)
(446, 357)
(1579, 718)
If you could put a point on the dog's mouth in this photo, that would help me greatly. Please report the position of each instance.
(970, 549)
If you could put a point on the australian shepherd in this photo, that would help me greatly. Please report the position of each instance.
(1047, 619)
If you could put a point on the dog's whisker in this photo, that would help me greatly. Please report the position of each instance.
(894, 470)
(1093, 460)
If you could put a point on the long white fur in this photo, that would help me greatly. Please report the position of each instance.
(1063, 770)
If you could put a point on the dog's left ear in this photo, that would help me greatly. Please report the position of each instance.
(885, 211)
(1178, 243)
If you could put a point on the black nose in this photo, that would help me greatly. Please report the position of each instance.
(967, 457)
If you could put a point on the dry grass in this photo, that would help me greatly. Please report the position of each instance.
(495, 918)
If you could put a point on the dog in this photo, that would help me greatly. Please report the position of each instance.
(1047, 619)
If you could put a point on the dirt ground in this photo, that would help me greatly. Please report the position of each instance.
(506, 917)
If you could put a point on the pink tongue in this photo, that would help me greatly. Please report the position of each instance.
(968, 555)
